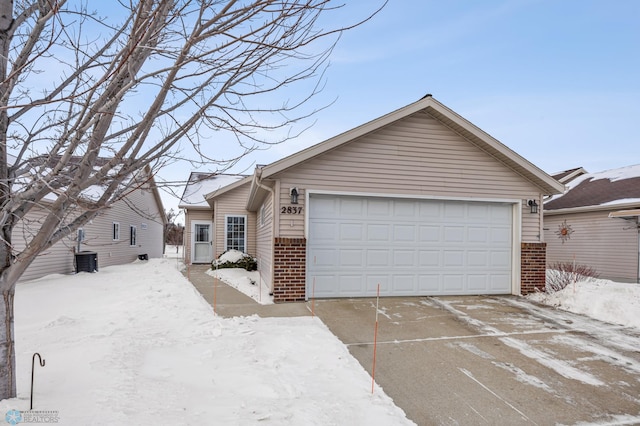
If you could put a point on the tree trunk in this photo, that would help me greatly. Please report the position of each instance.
(7, 349)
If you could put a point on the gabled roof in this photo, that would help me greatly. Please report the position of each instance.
(568, 175)
(205, 184)
(610, 189)
(463, 127)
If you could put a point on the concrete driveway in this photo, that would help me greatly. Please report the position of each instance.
(492, 360)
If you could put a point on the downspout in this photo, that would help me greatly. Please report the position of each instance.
(256, 180)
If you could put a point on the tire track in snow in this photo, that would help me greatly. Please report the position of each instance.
(561, 367)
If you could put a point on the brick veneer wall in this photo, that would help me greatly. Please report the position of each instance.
(533, 267)
(289, 269)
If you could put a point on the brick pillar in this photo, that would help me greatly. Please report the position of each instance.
(289, 273)
(533, 257)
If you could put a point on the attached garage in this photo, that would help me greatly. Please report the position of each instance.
(408, 246)
(419, 201)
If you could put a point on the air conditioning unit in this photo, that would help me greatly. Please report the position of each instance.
(87, 261)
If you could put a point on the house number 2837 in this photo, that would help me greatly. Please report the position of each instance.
(291, 210)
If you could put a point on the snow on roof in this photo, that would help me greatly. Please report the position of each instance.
(201, 184)
(609, 187)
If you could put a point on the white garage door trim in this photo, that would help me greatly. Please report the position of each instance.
(502, 206)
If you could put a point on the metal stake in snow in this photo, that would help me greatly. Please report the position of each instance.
(33, 364)
(375, 342)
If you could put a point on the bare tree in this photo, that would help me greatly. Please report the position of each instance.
(88, 101)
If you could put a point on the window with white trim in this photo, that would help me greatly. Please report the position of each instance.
(132, 235)
(262, 215)
(235, 233)
(115, 231)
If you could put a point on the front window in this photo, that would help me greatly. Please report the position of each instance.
(116, 231)
(236, 233)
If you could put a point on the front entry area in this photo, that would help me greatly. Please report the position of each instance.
(410, 247)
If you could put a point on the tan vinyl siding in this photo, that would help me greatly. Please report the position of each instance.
(417, 155)
(99, 237)
(609, 245)
(233, 203)
(190, 216)
(264, 241)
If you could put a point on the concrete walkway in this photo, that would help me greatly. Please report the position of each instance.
(229, 302)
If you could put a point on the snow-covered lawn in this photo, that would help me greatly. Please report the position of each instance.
(137, 344)
(617, 303)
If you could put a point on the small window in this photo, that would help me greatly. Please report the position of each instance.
(262, 215)
(143, 226)
(236, 233)
(116, 231)
(132, 235)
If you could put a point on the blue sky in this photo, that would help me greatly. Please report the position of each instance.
(556, 81)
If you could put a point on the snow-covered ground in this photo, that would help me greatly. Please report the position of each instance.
(137, 344)
(617, 303)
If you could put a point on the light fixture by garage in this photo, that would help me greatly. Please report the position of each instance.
(294, 195)
(534, 206)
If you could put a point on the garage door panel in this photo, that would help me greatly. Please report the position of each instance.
(378, 258)
(477, 283)
(351, 208)
(350, 258)
(378, 232)
(351, 232)
(323, 258)
(453, 234)
(351, 284)
(403, 285)
(409, 247)
(478, 258)
(453, 283)
(478, 235)
(453, 258)
(378, 208)
(429, 234)
(324, 231)
(429, 258)
(430, 284)
(404, 258)
(500, 259)
(404, 233)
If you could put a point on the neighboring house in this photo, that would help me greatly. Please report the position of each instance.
(595, 223)
(131, 227)
(419, 201)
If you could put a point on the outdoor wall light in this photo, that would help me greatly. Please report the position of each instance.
(534, 206)
(294, 195)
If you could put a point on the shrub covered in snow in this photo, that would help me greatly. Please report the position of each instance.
(235, 259)
(561, 274)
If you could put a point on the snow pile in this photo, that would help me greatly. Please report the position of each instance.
(617, 303)
(136, 344)
(230, 256)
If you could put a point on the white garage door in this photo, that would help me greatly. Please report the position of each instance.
(409, 247)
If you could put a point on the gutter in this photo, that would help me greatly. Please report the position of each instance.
(256, 179)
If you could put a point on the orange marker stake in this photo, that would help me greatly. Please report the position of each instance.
(375, 343)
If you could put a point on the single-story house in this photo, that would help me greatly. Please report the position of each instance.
(417, 202)
(130, 227)
(595, 222)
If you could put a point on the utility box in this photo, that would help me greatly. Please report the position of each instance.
(87, 261)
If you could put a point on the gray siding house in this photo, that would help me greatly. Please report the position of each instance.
(595, 222)
(418, 202)
(130, 227)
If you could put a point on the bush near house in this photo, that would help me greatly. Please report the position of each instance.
(561, 274)
(235, 259)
